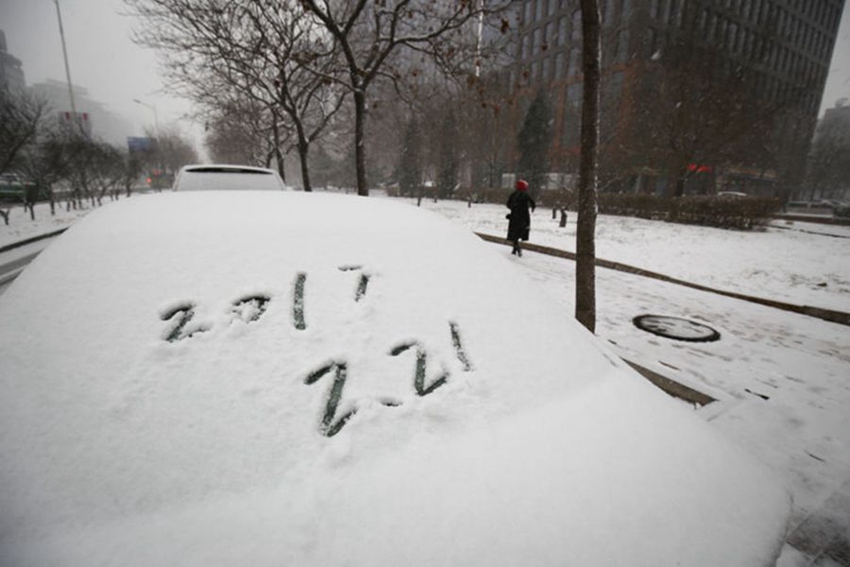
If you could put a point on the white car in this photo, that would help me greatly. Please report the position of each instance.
(217, 177)
(312, 379)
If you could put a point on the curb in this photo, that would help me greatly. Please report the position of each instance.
(830, 315)
(839, 221)
(31, 240)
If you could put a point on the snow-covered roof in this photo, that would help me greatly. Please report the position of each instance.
(263, 378)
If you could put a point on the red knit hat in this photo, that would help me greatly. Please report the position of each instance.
(522, 185)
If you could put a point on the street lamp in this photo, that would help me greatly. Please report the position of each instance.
(155, 118)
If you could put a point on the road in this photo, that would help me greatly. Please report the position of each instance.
(14, 261)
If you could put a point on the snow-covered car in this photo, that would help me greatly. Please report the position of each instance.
(304, 379)
(217, 177)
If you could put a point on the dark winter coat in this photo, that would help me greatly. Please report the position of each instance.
(520, 219)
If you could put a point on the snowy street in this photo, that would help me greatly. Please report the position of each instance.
(780, 379)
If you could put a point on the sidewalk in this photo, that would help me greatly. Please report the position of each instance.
(778, 380)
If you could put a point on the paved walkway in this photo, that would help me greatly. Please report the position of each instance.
(820, 533)
(840, 317)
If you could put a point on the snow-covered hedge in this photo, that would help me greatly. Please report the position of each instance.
(707, 210)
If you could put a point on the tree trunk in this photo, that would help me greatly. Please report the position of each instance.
(303, 155)
(359, 146)
(586, 228)
(277, 154)
(680, 185)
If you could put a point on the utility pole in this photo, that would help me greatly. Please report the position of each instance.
(155, 118)
(67, 68)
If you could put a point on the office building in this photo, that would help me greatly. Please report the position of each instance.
(11, 69)
(697, 95)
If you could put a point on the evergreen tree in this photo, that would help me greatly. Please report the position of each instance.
(410, 165)
(533, 143)
(448, 164)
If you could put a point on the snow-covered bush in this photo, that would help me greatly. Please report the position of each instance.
(707, 210)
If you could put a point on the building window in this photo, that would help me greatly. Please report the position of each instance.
(535, 46)
(546, 70)
(541, 9)
(548, 36)
(754, 15)
(559, 66)
(625, 9)
(574, 62)
(608, 15)
(674, 13)
(529, 12)
(622, 47)
(576, 32)
(574, 94)
(562, 30)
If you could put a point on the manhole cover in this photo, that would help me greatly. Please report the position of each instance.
(676, 328)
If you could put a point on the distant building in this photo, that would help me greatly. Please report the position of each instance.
(678, 76)
(829, 163)
(11, 68)
(97, 120)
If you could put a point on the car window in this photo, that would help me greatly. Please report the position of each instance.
(217, 178)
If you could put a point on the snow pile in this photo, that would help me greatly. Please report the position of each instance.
(280, 378)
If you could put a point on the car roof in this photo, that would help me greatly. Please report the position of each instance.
(303, 379)
(209, 177)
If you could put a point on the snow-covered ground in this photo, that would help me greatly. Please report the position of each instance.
(275, 378)
(780, 378)
(21, 226)
(792, 262)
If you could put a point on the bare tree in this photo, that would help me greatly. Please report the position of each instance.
(21, 116)
(369, 33)
(106, 170)
(829, 165)
(586, 229)
(236, 134)
(171, 149)
(47, 161)
(266, 51)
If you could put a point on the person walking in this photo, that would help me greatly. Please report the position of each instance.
(520, 219)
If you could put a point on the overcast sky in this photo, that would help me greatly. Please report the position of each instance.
(102, 57)
(105, 61)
